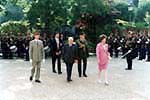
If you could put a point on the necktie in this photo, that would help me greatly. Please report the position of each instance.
(36, 43)
(58, 44)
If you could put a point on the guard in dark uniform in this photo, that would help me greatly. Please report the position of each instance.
(4, 47)
(148, 49)
(129, 53)
(142, 51)
(116, 45)
(10, 43)
(21, 48)
(27, 41)
(135, 46)
(123, 42)
(110, 45)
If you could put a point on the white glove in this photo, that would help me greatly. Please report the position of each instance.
(43, 60)
(30, 60)
(129, 51)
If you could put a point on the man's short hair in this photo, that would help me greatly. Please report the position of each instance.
(82, 33)
(36, 33)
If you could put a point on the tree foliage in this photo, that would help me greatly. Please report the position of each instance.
(50, 15)
(14, 10)
(142, 11)
(125, 13)
(14, 27)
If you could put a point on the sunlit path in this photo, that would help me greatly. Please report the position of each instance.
(124, 85)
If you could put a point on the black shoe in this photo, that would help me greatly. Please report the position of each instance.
(38, 81)
(127, 69)
(54, 71)
(31, 78)
(85, 75)
(80, 76)
(69, 80)
(59, 73)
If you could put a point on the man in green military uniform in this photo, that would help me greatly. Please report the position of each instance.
(82, 54)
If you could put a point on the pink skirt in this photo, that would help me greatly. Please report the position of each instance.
(102, 67)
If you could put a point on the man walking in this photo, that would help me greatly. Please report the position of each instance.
(82, 54)
(36, 54)
(56, 47)
(69, 57)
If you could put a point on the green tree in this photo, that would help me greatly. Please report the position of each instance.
(92, 7)
(125, 13)
(14, 27)
(14, 10)
(94, 12)
(48, 14)
(142, 11)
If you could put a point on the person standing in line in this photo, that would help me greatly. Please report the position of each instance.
(27, 41)
(148, 49)
(36, 55)
(116, 46)
(103, 57)
(129, 53)
(69, 53)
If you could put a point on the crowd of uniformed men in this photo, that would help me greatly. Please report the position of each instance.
(11, 46)
(139, 43)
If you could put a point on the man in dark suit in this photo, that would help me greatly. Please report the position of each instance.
(69, 53)
(82, 54)
(56, 47)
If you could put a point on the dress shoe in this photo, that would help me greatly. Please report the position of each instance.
(54, 71)
(85, 75)
(59, 73)
(31, 78)
(69, 80)
(127, 69)
(38, 81)
(80, 76)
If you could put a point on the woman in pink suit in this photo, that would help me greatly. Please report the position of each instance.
(103, 58)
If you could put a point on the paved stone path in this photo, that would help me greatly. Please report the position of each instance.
(124, 85)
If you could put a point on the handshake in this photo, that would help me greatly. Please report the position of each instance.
(42, 61)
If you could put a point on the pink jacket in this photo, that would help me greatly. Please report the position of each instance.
(102, 54)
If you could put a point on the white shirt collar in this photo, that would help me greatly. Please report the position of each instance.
(36, 39)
